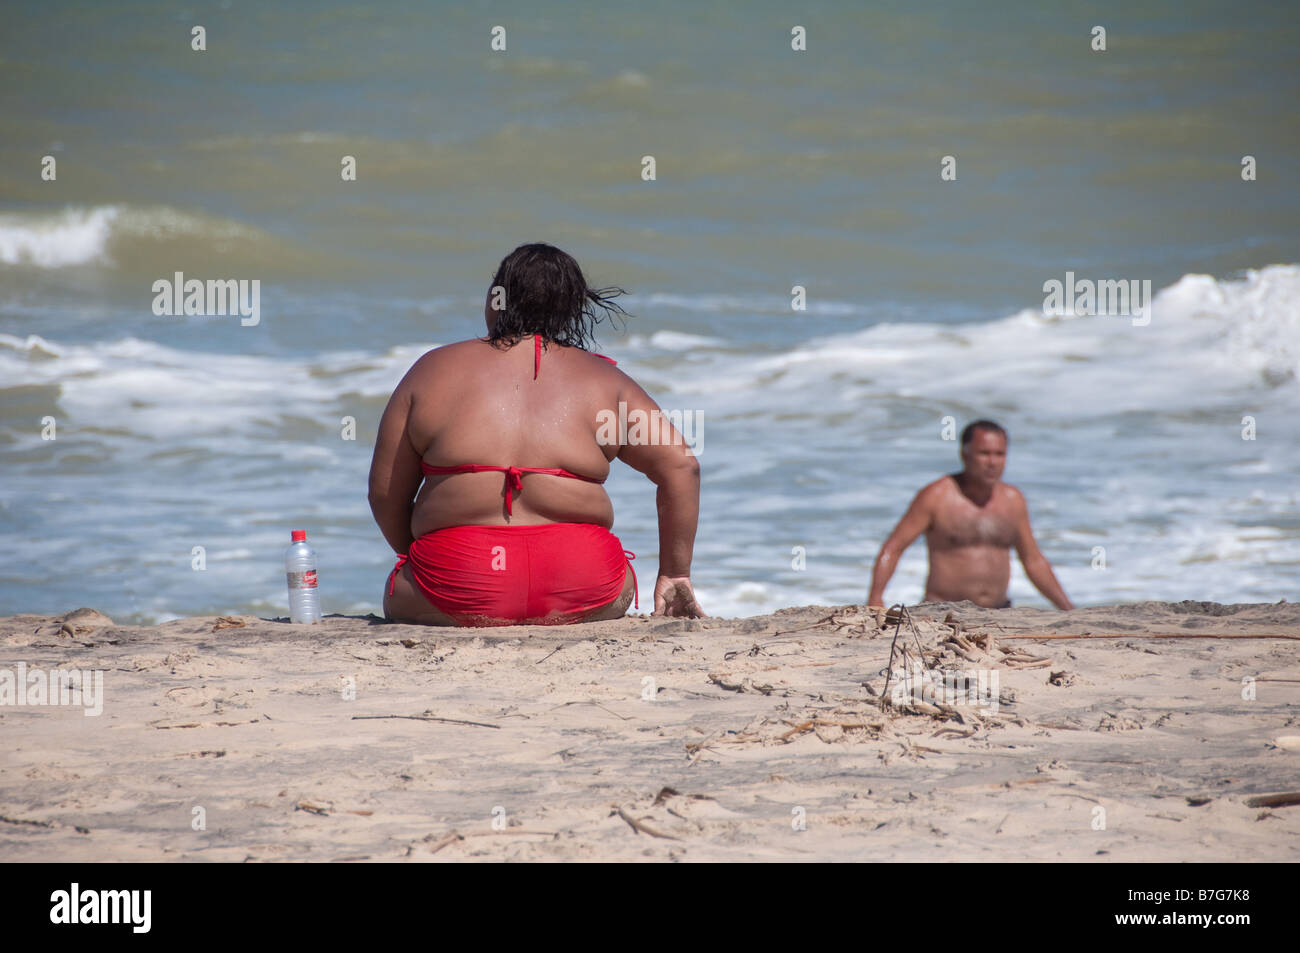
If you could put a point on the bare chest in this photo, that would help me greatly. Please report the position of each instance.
(965, 524)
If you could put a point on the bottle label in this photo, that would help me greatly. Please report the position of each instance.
(302, 580)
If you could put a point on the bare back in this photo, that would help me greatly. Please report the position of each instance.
(472, 403)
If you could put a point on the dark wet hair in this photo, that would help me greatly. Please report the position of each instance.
(968, 434)
(546, 294)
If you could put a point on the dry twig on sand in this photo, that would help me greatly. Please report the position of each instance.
(743, 685)
(454, 836)
(596, 704)
(1149, 635)
(449, 839)
(641, 828)
(427, 717)
(1286, 799)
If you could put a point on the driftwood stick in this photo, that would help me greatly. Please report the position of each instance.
(509, 832)
(797, 729)
(1287, 799)
(597, 704)
(819, 622)
(449, 839)
(1151, 635)
(1020, 664)
(701, 746)
(450, 721)
(549, 654)
(642, 828)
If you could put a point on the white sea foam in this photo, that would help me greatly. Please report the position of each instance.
(84, 236)
(743, 304)
(71, 237)
(1123, 437)
(1209, 342)
(672, 341)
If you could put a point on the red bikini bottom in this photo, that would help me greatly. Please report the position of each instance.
(548, 574)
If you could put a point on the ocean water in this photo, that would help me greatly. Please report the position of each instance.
(775, 168)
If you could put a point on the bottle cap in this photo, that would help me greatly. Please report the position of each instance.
(299, 535)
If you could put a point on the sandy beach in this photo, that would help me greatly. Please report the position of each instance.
(243, 739)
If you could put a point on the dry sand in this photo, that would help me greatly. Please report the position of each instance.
(252, 724)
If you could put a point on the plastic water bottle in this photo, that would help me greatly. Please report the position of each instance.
(300, 567)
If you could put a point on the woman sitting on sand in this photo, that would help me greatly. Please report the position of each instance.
(512, 525)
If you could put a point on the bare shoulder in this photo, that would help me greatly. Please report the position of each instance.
(599, 368)
(938, 489)
(441, 357)
(453, 351)
(930, 498)
(1012, 497)
(601, 363)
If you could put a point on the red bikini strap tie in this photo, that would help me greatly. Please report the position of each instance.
(636, 592)
(537, 354)
(392, 578)
(514, 484)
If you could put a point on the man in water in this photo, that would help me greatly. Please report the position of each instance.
(970, 521)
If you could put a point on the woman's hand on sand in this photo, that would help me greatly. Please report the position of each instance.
(674, 596)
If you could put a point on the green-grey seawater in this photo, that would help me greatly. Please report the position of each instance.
(773, 168)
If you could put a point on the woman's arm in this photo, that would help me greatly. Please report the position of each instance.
(666, 459)
(395, 472)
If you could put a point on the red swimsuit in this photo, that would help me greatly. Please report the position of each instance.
(551, 573)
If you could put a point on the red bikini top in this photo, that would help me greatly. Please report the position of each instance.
(514, 475)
